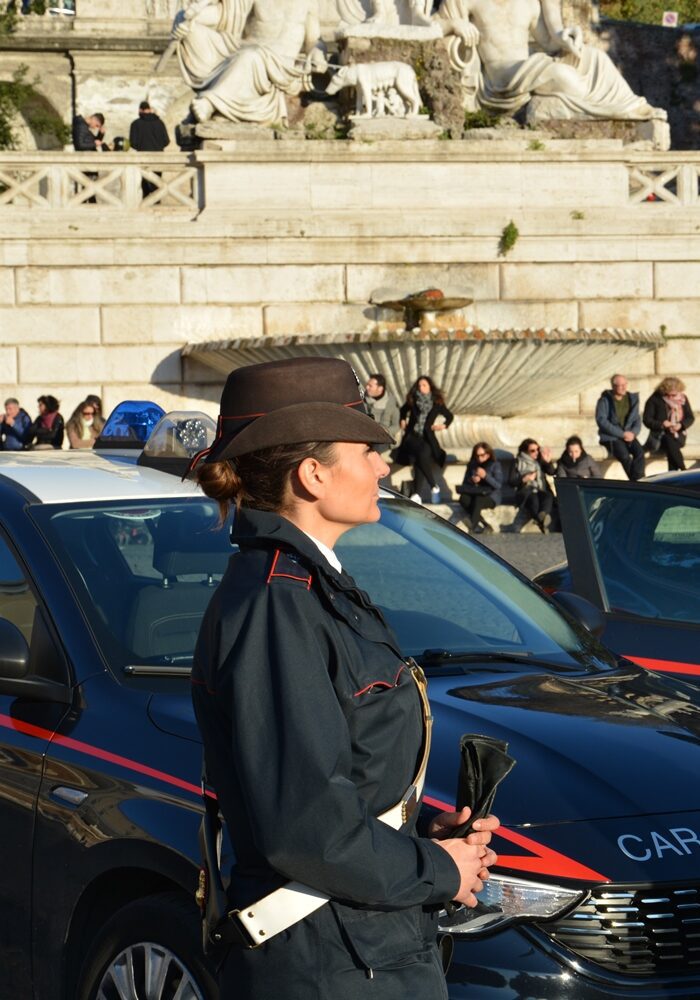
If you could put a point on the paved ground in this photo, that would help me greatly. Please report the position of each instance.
(529, 553)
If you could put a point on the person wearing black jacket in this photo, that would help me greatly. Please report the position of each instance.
(668, 415)
(148, 134)
(481, 488)
(86, 131)
(424, 415)
(47, 430)
(311, 719)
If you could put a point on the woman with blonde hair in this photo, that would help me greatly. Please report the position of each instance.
(668, 415)
(84, 426)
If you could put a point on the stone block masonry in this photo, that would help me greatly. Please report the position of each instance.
(291, 240)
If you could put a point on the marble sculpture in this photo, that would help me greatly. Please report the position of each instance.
(377, 86)
(243, 57)
(490, 45)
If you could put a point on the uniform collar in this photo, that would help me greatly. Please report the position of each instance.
(265, 529)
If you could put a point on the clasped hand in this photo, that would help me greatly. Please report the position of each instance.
(471, 854)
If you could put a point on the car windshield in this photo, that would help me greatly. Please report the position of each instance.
(144, 574)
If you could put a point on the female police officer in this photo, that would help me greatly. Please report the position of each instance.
(313, 723)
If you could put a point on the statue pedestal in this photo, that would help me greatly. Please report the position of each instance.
(655, 133)
(387, 127)
(223, 135)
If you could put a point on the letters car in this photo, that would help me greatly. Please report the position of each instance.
(106, 567)
(633, 550)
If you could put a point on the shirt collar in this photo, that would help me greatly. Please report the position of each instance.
(328, 553)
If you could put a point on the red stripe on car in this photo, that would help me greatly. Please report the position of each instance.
(66, 741)
(666, 666)
(542, 861)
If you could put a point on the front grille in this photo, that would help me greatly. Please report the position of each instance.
(635, 930)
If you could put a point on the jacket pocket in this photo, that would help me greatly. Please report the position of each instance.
(383, 939)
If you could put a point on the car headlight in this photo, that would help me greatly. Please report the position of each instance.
(504, 900)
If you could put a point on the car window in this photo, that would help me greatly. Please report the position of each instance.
(440, 591)
(17, 603)
(647, 548)
(145, 575)
(413, 586)
(142, 574)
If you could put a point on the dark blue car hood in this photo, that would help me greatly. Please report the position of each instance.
(603, 745)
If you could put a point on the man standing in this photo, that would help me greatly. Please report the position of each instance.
(148, 134)
(14, 426)
(619, 422)
(382, 406)
(88, 133)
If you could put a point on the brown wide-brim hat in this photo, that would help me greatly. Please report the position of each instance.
(290, 402)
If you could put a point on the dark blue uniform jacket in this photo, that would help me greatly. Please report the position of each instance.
(312, 726)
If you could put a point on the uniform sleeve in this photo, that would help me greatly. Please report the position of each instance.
(293, 757)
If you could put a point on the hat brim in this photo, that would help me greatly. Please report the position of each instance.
(299, 423)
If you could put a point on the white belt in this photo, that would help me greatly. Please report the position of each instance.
(293, 902)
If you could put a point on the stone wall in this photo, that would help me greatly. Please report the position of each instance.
(295, 237)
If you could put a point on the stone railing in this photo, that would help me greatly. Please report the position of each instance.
(122, 181)
(136, 182)
(663, 180)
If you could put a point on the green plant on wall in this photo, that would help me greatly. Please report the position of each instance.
(508, 239)
(480, 119)
(19, 97)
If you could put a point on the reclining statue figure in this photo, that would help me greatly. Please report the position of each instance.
(243, 56)
(489, 44)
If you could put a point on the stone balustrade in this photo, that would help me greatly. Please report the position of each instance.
(66, 180)
(665, 180)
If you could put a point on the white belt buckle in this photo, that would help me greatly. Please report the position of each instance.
(238, 916)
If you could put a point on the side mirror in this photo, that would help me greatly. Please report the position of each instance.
(582, 610)
(16, 680)
(14, 651)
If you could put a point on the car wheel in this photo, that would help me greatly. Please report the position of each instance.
(149, 950)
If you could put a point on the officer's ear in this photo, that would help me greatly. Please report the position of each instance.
(313, 479)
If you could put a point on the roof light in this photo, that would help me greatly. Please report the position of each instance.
(130, 424)
(177, 438)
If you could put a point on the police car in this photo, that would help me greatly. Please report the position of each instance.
(106, 566)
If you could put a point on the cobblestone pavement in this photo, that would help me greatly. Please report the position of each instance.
(529, 553)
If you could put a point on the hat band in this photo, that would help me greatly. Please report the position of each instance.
(243, 421)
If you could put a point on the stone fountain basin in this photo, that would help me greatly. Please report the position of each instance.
(496, 373)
